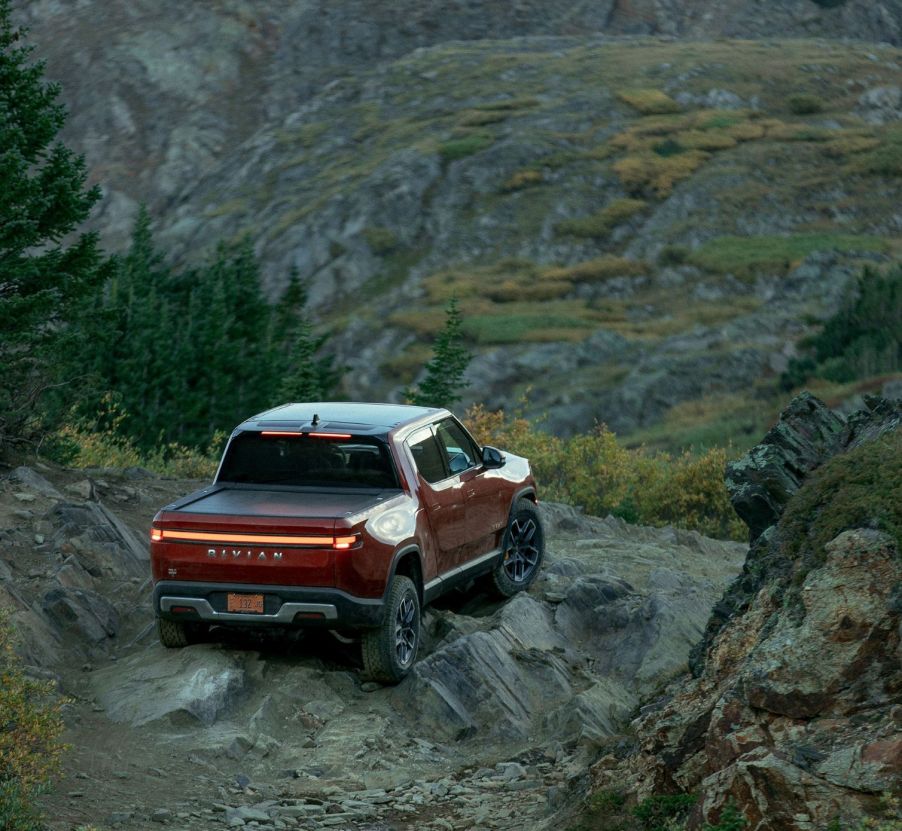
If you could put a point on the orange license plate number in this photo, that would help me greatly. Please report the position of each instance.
(252, 603)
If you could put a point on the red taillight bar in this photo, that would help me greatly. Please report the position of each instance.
(340, 543)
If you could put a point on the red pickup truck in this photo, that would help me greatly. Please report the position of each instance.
(345, 516)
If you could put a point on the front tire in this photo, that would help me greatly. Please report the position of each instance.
(522, 550)
(389, 652)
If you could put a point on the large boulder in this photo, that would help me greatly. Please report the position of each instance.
(194, 685)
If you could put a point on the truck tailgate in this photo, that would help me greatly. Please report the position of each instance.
(254, 535)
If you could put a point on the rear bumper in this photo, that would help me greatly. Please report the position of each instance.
(282, 605)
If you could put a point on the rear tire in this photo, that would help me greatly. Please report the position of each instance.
(522, 550)
(390, 651)
(177, 634)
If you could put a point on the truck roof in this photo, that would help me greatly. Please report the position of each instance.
(357, 417)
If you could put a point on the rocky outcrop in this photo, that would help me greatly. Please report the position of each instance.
(193, 685)
(794, 711)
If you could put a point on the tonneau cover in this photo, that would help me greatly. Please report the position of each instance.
(260, 502)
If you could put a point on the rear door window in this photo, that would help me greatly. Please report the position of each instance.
(428, 456)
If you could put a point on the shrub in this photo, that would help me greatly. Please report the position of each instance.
(673, 255)
(730, 820)
(597, 473)
(660, 812)
(602, 222)
(649, 101)
(101, 443)
(885, 159)
(804, 104)
(30, 727)
(380, 240)
(460, 148)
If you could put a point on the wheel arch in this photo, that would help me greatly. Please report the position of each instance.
(528, 492)
(408, 561)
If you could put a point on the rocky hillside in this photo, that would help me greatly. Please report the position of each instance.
(639, 224)
(495, 728)
(794, 712)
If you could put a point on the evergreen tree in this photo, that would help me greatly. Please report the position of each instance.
(444, 381)
(305, 374)
(43, 200)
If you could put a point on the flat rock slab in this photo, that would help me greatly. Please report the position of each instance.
(192, 685)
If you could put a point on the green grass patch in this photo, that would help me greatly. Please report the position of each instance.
(805, 104)
(526, 328)
(469, 145)
(745, 256)
(885, 159)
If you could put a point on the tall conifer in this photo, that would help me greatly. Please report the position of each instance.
(43, 200)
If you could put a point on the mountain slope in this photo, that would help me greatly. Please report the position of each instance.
(582, 195)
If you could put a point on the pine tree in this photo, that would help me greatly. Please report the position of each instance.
(444, 383)
(305, 374)
(43, 200)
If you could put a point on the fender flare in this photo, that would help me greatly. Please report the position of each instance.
(401, 552)
(528, 491)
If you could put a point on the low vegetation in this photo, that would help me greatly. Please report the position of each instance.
(597, 473)
(860, 488)
(613, 811)
(463, 146)
(747, 256)
(30, 730)
(602, 222)
(864, 338)
(649, 101)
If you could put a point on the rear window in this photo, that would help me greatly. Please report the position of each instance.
(301, 460)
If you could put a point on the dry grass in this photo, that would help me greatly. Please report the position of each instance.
(649, 101)
(602, 222)
(657, 175)
(522, 179)
(599, 269)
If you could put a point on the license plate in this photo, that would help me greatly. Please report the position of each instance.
(252, 603)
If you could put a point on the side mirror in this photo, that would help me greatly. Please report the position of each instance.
(492, 457)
